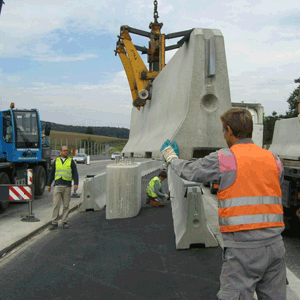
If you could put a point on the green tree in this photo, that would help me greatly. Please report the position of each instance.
(293, 101)
(89, 130)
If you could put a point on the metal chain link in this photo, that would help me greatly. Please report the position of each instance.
(155, 14)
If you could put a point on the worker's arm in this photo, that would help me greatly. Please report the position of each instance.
(74, 173)
(51, 176)
(158, 192)
(204, 169)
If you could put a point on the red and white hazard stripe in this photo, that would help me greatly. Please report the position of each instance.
(20, 193)
(29, 176)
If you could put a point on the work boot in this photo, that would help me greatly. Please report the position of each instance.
(156, 204)
(66, 226)
(53, 226)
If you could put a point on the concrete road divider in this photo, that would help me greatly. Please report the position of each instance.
(189, 220)
(123, 188)
(93, 195)
(286, 138)
(192, 91)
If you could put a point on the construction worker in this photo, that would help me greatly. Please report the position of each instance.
(63, 171)
(155, 192)
(250, 209)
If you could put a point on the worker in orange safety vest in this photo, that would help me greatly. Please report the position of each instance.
(249, 207)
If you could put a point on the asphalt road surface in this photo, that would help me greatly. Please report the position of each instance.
(96, 258)
(133, 254)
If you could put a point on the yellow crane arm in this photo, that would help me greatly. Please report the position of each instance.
(139, 77)
(128, 70)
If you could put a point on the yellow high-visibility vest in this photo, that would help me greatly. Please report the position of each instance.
(150, 188)
(63, 171)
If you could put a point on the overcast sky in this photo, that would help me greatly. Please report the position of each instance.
(58, 56)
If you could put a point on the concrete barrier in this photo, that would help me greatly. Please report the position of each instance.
(93, 195)
(286, 138)
(192, 91)
(189, 219)
(123, 188)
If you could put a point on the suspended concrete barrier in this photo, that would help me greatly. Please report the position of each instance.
(190, 226)
(188, 97)
(123, 188)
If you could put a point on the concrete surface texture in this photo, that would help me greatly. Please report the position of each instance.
(93, 196)
(123, 188)
(286, 138)
(190, 226)
(186, 103)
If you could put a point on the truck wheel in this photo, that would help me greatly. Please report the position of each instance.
(39, 180)
(4, 179)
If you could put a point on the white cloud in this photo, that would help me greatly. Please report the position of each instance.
(262, 48)
(82, 104)
(64, 58)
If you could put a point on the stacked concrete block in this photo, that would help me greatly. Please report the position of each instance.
(188, 97)
(190, 225)
(123, 190)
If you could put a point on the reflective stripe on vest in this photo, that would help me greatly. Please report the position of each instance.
(249, 194)
(150, 188)
(63, 171)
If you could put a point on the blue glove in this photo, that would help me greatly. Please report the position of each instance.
(168, 143)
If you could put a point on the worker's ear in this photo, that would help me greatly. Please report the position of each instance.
(229, 131)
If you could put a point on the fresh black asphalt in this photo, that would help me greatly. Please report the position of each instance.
(113, 259)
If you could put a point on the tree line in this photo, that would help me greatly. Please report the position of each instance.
(269, 121)
(116, 132)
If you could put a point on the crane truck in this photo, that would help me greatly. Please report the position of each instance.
(23, 147)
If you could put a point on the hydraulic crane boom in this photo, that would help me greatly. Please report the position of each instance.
(138, 75)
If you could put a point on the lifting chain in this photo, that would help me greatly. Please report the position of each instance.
(155, 14)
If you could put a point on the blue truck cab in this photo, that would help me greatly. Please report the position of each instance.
(21, 136)
(23, 146)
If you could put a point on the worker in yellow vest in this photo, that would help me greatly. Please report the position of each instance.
(155, 192)
(250, 209)
(63, 172)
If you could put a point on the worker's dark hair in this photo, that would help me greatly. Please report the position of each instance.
(239, 120)
(162, 174)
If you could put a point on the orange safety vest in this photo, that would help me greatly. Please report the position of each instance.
(249, 195)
